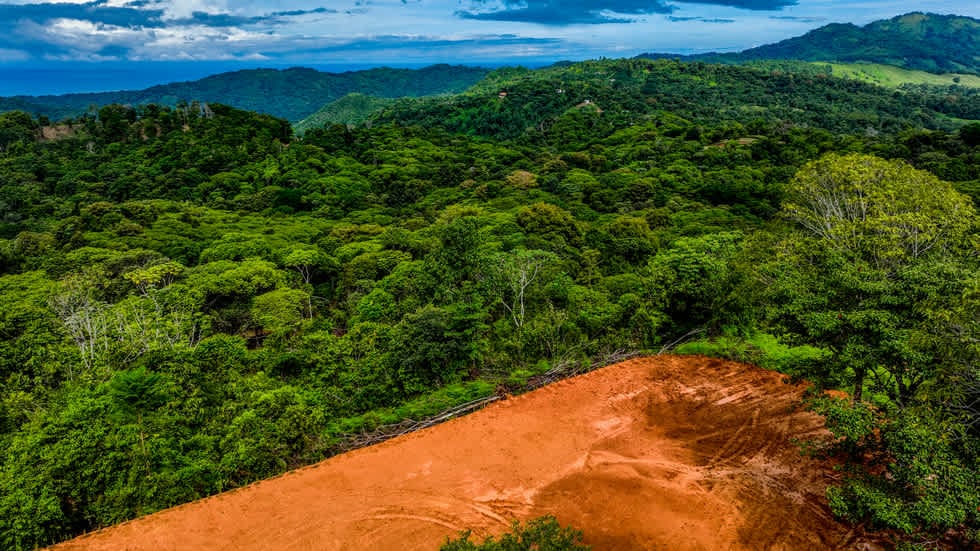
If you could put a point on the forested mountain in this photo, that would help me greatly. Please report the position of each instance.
(589, 98)
(292, 94)
(922, 41)
(194, 298)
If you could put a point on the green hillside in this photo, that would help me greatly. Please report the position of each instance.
(292, 94)
(608, 95)
(926, 42)
(351, 109)
(918, 41)
(891, 76)
(888, 76)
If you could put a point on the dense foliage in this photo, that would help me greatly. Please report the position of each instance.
(567, 106)
(193, 298)
(292, 94)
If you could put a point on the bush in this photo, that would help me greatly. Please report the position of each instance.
(540, 534)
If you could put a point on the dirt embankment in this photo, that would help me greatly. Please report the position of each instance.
(656, 453)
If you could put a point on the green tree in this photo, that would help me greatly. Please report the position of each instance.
(876, 270)
(305, 261)
(135, 394)
(867, 225)
(884, 212)
(695, 277)
(434, 346)
(281, 312)
(16, 126)
(870, 222)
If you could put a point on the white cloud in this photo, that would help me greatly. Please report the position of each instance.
(80, 35)
(28, 2)
(182, 9)
(9, 54)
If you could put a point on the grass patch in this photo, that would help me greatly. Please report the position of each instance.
(761, 349)
(890, 76)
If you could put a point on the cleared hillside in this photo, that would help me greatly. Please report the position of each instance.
(664, 452)
(891, 76)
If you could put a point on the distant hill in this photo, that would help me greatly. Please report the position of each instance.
(351, 109)
(920, 41)
(292, 94)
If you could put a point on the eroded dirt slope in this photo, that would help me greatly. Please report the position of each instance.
(655, 453)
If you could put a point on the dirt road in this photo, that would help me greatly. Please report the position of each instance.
(655, 453)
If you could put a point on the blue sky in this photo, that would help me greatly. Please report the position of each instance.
(78, 35)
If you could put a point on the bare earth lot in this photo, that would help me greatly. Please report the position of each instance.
(656, 453)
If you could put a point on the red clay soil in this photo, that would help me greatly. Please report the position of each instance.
(655, 453)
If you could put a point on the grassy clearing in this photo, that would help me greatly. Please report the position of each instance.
(893, 77)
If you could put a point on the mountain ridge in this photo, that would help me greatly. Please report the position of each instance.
(293, 94)
(923, 41)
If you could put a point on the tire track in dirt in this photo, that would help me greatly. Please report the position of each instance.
(654, 453)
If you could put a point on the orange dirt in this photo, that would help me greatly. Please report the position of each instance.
(656, 453)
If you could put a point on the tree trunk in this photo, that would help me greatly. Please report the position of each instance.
(859, 375)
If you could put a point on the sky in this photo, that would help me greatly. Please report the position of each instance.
(56, 46)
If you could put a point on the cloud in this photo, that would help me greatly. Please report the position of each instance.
(402, 42)
(143, 32)
(96, 12)
(142, 13)
(9, 54)
(230, 20)
(101, 30)
(417, 48)
(798, 18)
(676, 19)
(564, 12)
(180, 9)
(572, 12)
(296, 13)
(755, 5)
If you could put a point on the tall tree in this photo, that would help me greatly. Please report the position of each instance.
(875, 270)
(876, 243)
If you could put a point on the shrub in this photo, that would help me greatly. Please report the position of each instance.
(540, 534)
